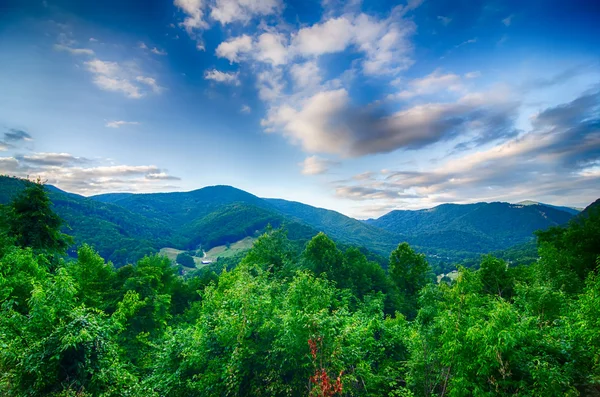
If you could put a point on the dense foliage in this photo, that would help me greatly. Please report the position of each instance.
(320, 321)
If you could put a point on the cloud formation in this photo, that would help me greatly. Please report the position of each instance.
(221, 11)
(222, 77)
(74, 51)
(328, 122)
(558, 159)
(314, 165)
(82, 176)
(14, 135)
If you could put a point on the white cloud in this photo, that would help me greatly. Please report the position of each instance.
(328, 122)
(93, 40)
(194, 20)
(556, 160)
(66, 172)
(271, 48)
(234, 49)
(110, 76)
(508, 20)
(119, 123)
(470, 41)
(270, 84)
(118, 85)
(222, 77)
(195, 14)
(383, 41)
(246, 109)
(74, 51)
(315, 126)
(158, 52)
(472, 75)
(51, 159)
(306, 74)
(227, 11)
(142, 45)
(150, 82)
(97, 66)
(331, 36)
(430, 84)
(314, 165)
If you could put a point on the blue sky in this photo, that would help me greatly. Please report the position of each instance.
(361, 107)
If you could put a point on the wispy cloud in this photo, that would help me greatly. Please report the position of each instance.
(80, 175)
(150, 82)
(157, 51)
(222, 77)
(315, 165)
(14, 135)
(119, 123)
(444, 20)
(74, 51)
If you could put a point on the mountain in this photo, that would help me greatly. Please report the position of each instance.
(339, 227)
(119, 235)
(220, 213)
(126, 226)
(571, 210)
(179, 208)
(595, 206)
(474, 228)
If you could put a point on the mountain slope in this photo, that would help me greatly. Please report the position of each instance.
(118, 234)
(192, 211)
(571, 210)
(339, 227)
(179, 208)
(477, 228)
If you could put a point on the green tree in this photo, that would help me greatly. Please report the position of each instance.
(496, 277)
(410, 272)
(96, 279)
(34, 224)
(185, 259)
(271, 250)
(323, 257)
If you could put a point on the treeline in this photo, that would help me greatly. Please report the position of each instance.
(286, 322)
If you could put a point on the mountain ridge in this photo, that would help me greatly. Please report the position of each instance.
(222, 214)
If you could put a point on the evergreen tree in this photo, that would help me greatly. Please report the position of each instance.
(33, 223)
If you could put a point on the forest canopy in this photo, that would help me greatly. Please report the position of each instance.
(318, 321)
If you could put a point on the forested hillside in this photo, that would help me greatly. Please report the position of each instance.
(124, 227)
(290, 321)
(472, 228)
(118, 234)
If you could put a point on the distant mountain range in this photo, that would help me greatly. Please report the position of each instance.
(125, 226)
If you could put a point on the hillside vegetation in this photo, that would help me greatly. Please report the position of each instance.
(286, 320)
(124, 227)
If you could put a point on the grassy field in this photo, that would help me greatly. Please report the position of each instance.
(172, 253)
(222, 251)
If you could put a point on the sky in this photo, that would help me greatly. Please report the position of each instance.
(362, 107)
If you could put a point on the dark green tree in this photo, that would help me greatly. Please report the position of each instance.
(185, 259)
(33, 223)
